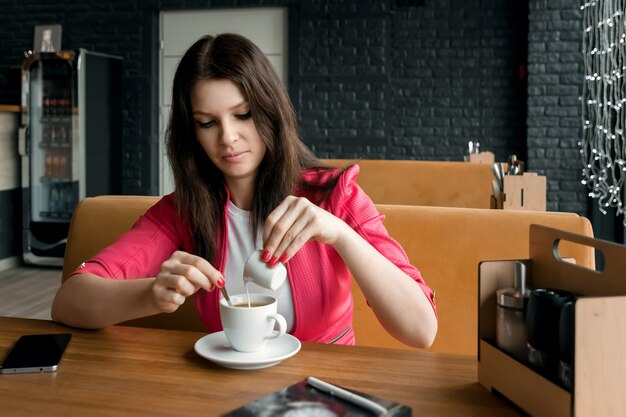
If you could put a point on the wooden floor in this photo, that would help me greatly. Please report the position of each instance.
(28, 291)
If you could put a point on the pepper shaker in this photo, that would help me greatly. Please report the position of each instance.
(511, 334)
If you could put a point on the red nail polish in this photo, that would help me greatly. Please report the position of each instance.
(272, 262)
(283, 258)
(265, 256)
(221, 282)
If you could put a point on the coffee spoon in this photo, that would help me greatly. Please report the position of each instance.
(225, 294)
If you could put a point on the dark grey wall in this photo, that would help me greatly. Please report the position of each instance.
(555, 79)
(10, 223)
(413, 83)
(368, 78)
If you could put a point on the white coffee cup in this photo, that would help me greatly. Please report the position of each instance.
(249, 328)
(258, 271)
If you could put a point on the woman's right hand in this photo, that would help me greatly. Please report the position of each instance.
(181, 276)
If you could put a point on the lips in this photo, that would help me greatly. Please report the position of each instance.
(233, 157)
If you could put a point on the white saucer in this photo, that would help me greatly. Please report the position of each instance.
(216, 348)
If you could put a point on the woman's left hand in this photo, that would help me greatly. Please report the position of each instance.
(294, 222)
(397, 300)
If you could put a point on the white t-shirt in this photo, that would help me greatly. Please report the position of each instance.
(240, 247)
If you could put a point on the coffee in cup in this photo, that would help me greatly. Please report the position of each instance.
(248, 328)
(247, 304)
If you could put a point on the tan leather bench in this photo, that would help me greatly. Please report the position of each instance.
(424, 183)
(446, 244)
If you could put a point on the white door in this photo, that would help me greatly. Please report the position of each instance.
(265, 26)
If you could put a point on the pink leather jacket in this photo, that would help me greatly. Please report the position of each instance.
(319, 279)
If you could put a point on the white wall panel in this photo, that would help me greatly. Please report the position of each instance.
(181, 29)
(9, 156)
(265, 26)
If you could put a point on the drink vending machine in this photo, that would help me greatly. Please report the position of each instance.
(69, 142)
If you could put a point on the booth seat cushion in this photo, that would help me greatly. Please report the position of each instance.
(96, 223)
(447, 244)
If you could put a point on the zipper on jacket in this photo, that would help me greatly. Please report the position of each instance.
(342, 334)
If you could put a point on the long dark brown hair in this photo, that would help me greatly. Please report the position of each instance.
(200, 190)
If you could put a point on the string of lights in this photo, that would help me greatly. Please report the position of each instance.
(602, 146)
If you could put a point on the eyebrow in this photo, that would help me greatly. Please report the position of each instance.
(236, 106)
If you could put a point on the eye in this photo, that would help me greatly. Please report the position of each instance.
(205, 125)
(244, 116)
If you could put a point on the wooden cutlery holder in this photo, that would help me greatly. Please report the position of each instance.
(599, 329)
(482, 158)
(522, 192)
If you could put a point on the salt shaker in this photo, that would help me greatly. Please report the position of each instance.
(511, 335)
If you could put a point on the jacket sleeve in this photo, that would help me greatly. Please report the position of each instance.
(139, 252)
(349, 202)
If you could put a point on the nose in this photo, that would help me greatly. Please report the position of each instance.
(229, 133)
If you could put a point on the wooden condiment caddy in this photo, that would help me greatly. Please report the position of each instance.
(599, 387)
(482, 158)
(525, 192)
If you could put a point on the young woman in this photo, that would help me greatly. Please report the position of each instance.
(245, 181)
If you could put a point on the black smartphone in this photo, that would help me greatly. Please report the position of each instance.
(35, 353)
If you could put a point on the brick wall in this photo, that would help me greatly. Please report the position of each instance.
(371, 79)
(389, 82)
(554, 110)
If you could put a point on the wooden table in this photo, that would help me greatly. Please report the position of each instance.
(138, 371)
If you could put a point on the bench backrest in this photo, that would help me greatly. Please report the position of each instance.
(424, 183)
(446, 244)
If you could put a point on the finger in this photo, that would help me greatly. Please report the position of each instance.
(275, 216)
(197, 270)
(172, 276)
(180, 284)
(295, 245)
(189, 273)
(167, 300)
(175, 298)
(296, 210)
(298, 234)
